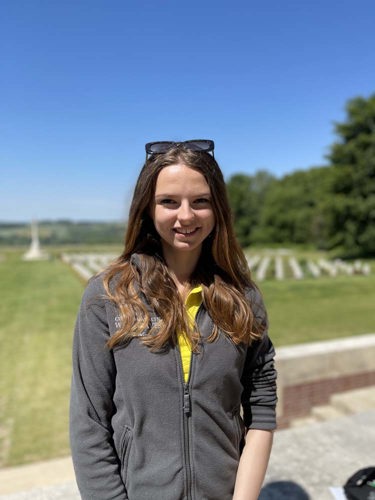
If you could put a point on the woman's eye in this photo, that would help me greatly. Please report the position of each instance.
(166, 201)
(202, 201)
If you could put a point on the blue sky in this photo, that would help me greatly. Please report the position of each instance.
(84, 84)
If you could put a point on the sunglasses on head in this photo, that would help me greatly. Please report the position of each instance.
(205, 145)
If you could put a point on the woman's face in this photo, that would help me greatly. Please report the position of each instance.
(182, 210)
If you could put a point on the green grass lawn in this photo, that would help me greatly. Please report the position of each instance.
(38, 307)
(39, 302)
(319, 309)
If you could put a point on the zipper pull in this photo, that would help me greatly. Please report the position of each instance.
(187, 404)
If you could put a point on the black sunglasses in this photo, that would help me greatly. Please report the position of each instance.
(205, 145)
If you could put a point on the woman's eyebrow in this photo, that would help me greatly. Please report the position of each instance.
(174, 195)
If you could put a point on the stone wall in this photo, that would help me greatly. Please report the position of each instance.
(309, 374)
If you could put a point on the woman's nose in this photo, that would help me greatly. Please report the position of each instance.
(185, 213)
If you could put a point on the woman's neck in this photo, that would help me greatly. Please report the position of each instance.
(181, 266)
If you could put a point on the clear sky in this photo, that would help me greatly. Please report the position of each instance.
(84, 84)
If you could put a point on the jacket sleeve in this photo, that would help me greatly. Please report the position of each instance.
(95, 460)
(259, 397)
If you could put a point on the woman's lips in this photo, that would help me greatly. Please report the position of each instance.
(186, 232)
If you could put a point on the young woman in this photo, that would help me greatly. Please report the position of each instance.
(174, 386)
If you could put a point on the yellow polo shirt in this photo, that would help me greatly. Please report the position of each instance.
(192, 303)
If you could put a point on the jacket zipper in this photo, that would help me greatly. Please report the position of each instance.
(187, 413)
(186, 410)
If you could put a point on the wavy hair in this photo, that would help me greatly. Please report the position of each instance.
(141, 273)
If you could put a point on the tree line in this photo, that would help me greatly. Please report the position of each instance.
(331, 207)
(63, 232)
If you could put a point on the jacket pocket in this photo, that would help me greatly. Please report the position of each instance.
(126, 442)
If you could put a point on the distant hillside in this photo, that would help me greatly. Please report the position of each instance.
(63, 232)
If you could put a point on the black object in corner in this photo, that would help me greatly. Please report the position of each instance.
(361, 485)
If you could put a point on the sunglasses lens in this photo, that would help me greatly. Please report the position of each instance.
(158, 147)
(200, 145)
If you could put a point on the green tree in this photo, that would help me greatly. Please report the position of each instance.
(350, 212)
(292, 211)
(246, 195)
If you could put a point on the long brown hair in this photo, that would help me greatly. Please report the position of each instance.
(221, 270)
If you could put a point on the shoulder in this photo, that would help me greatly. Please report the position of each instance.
(94, 291)
(253, 293)
(255, 298)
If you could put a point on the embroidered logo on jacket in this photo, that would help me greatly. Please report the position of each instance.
(118, 322)
(153, 321)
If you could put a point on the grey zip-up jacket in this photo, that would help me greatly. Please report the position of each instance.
(138, 432)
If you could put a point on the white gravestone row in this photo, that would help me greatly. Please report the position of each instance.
(86, 265)
(267, 266)
(339, 266)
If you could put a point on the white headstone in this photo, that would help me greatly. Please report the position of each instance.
(262, 268)
(296, 268)
(279, 268)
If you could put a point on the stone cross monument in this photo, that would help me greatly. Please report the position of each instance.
(35, 252)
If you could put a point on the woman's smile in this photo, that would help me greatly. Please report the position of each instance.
(186, 232)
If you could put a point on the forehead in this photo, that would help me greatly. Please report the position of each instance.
(180, 178)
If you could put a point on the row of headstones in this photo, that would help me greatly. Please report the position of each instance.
(261, 267)
(86, 265)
